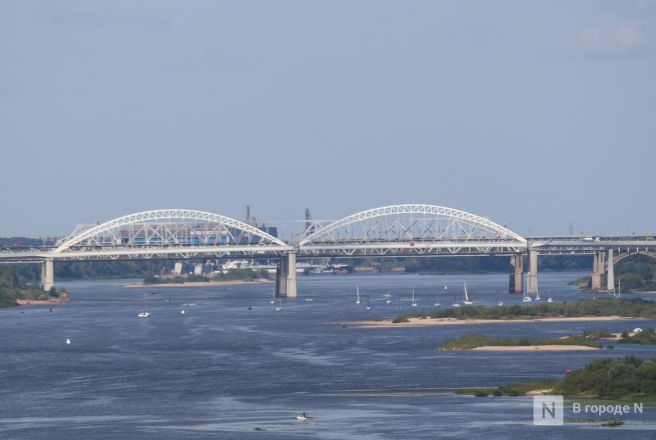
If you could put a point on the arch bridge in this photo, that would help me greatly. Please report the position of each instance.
(395, 230)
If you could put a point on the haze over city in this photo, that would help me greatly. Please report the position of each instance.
(536, 115)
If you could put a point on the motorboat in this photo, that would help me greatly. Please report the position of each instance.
(144, 315)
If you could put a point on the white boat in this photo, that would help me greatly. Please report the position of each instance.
(144, 315)
(68, 341)
(368, 306)
(273, 294)
(357, 294)
(388, 298)
(456, 305)
(303, 417)
(182, 312)
(437, 303)
(309, 300)
(467, 301)
(526, 298)
(550, 300)
(537, 296)
(500, 303)
(414, 303)
(279, 306)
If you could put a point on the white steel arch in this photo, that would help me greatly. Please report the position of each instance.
(166, 228)
(419, 226)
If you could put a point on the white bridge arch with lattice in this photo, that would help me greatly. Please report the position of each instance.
(169, 233)
(412, 228)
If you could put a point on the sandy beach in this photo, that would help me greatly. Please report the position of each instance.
(62, 298)
(419, 322)
(532, 348)
(198, 283)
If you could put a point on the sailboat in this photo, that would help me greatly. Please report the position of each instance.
(279, 306)
(414, 303)
(500, 303)
(437, 303)
(368, 306)
(357, 294)
(619, 288)
(273, 294)
(550, 299)
(467, 301)
(388, 298)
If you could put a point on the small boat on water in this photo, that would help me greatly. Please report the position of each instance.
(273, 294)
(279, 306)
(303, 417)
(309, 300)
(182, 312)
(550, 300)
(68, 341)
(388, 298)
(144, 315)
(467, 301)
(437, 302)
(357, 294)
(368, 306)
(414, 303)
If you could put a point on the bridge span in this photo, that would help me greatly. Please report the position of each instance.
(390, 231)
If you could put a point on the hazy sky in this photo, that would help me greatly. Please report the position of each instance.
(534, 114)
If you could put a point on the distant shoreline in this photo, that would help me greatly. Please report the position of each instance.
(198, 283)
(426, 322)
(62, 298)
(547, 347)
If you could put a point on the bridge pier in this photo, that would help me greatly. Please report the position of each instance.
(47, 275)
(532, 287)
(598, 269)
(610, 276)
(291, 275)
(281, 278)
(286, 276)
(516, 273)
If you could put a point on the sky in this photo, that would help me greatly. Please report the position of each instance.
(538, 115)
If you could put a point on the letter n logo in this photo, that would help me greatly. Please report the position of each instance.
(547, 410)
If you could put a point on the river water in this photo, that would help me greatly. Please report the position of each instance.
(224, 371)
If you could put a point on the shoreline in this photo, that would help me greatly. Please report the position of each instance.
(198, 283)
(427, 322)
(63, 298)
(521, 348)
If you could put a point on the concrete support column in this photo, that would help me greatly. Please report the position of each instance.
(598, 265)
(47, 275)
(532, 288)
(281, 278)
(610, 277)
(516, 284)
(291, 275)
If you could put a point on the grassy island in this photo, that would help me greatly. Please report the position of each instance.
(627, 308)
(468, 342)
(233, 275)
(627, 379)
(645, 337)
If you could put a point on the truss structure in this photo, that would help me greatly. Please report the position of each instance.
(412, 228)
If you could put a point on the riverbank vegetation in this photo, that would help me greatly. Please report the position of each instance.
(13, 288)
(626, 379)
(467, 342)
(628, 308)
(232, 275)
(645, 337)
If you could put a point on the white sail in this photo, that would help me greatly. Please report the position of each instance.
(467, 300)
(357, 294)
